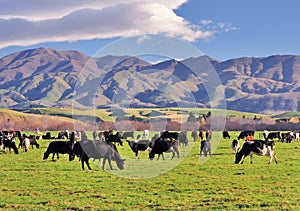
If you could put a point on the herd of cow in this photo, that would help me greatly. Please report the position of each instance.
(104, 145)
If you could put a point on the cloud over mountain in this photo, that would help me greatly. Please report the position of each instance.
(31, 22)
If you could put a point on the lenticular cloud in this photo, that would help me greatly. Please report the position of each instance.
(54, 21)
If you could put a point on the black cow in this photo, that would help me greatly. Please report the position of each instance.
(128, 134)
(194, 135)
(205, 147)
(182, 138)
(258, 147)
(97, 150)
(169, 135)
(113, 138)
(273, 135)
(244, 134)
(159, 146)
(60, 147)
(226, 134)
(287, 137)
(141, 145)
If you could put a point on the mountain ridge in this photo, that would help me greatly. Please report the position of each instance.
(49, 77)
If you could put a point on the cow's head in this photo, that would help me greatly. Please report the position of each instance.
(238, 157)
(151, 156)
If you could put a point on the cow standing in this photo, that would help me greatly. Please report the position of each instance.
(97, 150)
(141, 145)
(258, 147)
(159, 146)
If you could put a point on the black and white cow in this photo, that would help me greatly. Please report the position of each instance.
(235, 145)
(137, 146)
(257, 147)
(159, 146)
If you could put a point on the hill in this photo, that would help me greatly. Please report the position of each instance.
(51, 78)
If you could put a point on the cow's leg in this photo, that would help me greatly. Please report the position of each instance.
(275, 157)
(243, 159)
(173, 155)
(57, 155)
(53, 154)
(103, 163)
(251, 156)
(82, 163)
(87, 163)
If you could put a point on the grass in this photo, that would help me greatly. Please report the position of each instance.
(30, 183)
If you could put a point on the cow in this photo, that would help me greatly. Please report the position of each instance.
(235, 145)
(205, 147)
(226, 134)
(159, 146)
(169, 135)
(146, 133)
(194, 135)
(140, 145)
(128, 134)
(111, 138)
(182, 138)
(26, 144)
(97, 150)
(287, 137)
(7, 141)
(245, 134)
(258, 147)
(60, 147)
(273, 135)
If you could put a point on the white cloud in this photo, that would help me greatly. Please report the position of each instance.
(31, 21)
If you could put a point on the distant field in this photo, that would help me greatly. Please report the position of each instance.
(176, 114)
(29, 183)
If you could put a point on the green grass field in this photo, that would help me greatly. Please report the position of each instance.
(30, 183)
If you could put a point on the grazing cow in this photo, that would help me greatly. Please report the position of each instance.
(287, 137)
(146, 133)
(235, 145)
(26, 144)
(110, 138)
(140, 145)
(258, 147)
(128, 134)
(226, 134)
(169, 135)
(182, 138)
(194, 135)
(97, 150)
(47, 136)
(205, 147)
(273, 135)
(244, 134)
(159, 146)
(32, 140)
(62, 147)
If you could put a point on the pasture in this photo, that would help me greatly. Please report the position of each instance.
(30, 183)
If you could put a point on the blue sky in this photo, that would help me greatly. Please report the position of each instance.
(222, 29)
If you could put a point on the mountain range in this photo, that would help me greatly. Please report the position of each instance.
(52, 78)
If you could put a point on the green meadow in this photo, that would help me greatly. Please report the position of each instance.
(190, 183)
